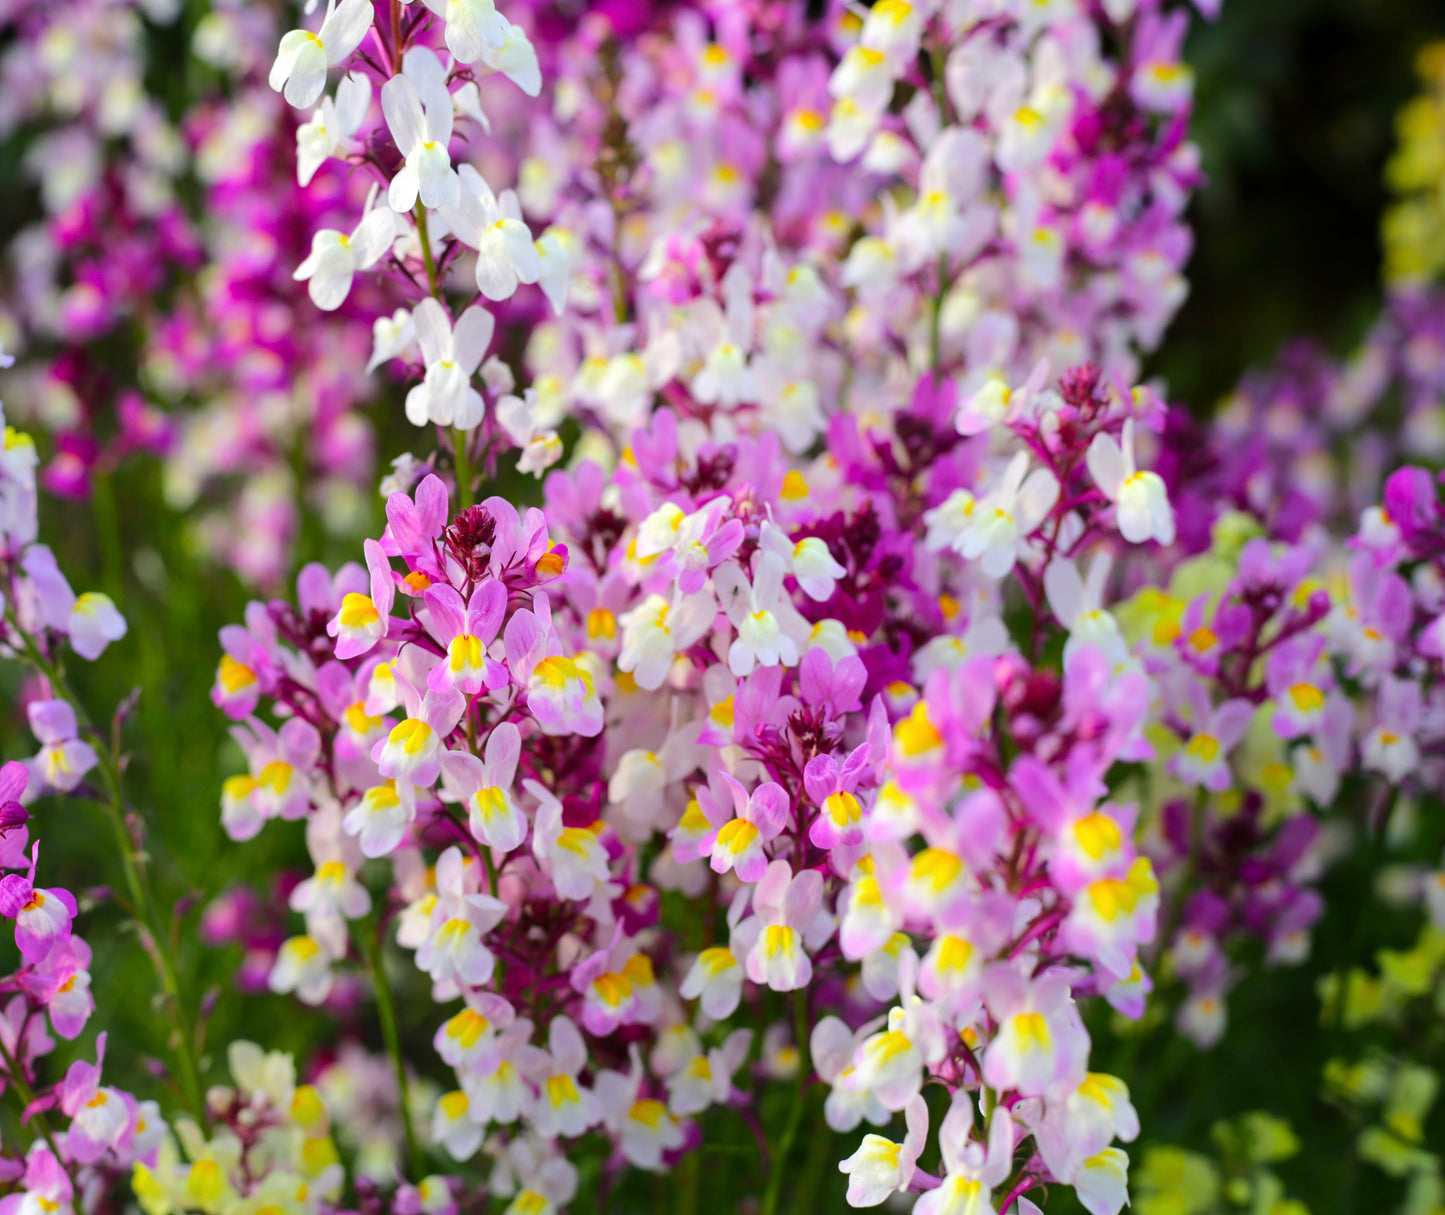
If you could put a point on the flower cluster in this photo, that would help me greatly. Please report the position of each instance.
(269, 1145)
(83, 1136)
(812, 670)
(792, 668)
(250, 403)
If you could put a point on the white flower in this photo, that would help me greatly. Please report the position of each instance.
(574, 856)
(725, 378)
(624, 389)
(850, 127)
(557, 252)
(331, 891)
(754, 609)
(949, 520)
(1393, 754)
(541, 447)
(894, 27)
(1102, 1182)
(809, 561)
(380, 818)
(391, 336)
(332, 126)
(446, 396)
(716, 980)
(999, 525)
(655, 630)
(1143, 511)
(1077, 604)
(94, 623)
(1028, 136)
(472, 27)
(871, 267)
(303, 57)
(706, 1079)
(335, 257)
(453, 1127)
(563, 1107)
(516, 59)
(970, 1170)
(947, 217)
(304, 967)
(880, 1167)
(422, 128)
(791, 403)
(864, 77)
(455, 949)
(984, 636)
(493, 227)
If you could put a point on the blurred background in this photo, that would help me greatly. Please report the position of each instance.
(1295, 118)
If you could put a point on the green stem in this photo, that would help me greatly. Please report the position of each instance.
(369, 939)
(464, 467)
(491, 866)
(137, 882)
(427, 260)
(691, 1175)
(820, 1146)
(935, 323)
(795, 1115)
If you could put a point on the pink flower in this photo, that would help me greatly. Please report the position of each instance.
(787, 920)
(736, 841)
(42, 917)
(64, 759)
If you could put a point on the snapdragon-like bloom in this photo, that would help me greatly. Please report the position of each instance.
(303, 57)
(64, 758)
(820, 669)
(1140, 497)
(506, 253)
(472, 26)
(336, 257)
(421, 125)
(452, 355)
(332, 127)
